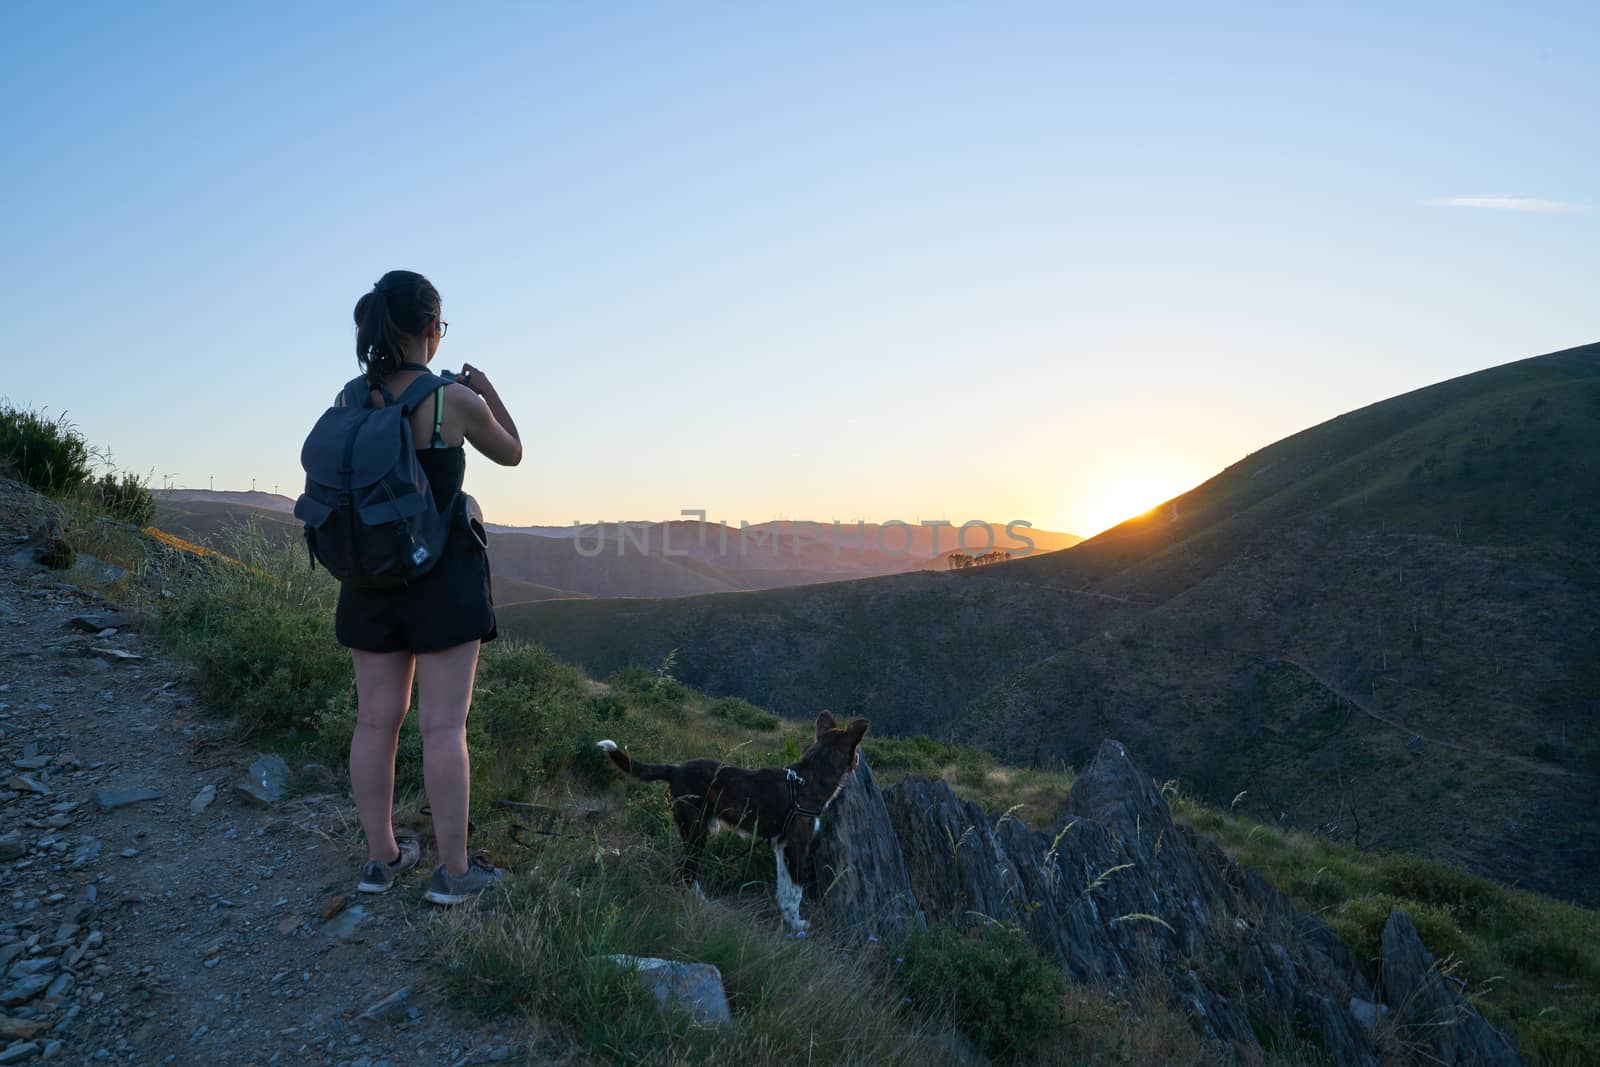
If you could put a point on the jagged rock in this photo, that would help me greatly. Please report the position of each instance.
(19, 1052)
(343, 925)
(115, 655)
(21, 1029)
(692, 987)
(112, 799)
(266, 781)
(111, 620)
(857, 868)
(391, 1007)
(12, 846)
(24, 989)
(1428, 1011)
(1117, 891)
(202, 800)
(1367, 1013)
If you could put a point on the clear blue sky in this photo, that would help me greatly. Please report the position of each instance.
(925, 260)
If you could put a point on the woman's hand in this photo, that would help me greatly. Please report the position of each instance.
(476, 380)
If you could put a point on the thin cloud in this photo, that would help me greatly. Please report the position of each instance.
(1525, 204)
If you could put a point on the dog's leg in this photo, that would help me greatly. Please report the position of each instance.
(789, 890)
(686, 812)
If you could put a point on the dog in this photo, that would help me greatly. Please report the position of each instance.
(782, 805)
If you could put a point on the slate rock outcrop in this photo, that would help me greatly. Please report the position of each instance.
(1116, 892)
(1428, 1011)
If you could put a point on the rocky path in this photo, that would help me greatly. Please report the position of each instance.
(151, 912)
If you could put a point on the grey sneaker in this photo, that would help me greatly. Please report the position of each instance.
(377, 876)
(446, 888)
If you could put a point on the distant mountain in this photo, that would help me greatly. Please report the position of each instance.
(246, 499)
(650, 559)
(1391, 619)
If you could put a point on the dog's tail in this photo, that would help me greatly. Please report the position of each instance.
(645, 772)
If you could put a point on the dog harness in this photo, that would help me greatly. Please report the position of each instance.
(795, 782)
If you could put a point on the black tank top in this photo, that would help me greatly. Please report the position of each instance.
(446, 469)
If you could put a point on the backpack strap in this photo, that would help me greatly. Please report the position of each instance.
(356, 392)
(438, 418)
(413, 394)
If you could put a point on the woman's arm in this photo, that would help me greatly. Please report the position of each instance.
(488, 425)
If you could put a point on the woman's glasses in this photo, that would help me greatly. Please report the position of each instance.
(444, 328)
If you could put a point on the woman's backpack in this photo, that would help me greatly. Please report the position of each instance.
(369, 513)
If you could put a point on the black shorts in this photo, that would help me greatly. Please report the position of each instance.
(448, 606)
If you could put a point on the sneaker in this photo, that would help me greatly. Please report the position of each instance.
(377, 876)
(447, 888)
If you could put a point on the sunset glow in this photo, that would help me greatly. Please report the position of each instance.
(1124, 494)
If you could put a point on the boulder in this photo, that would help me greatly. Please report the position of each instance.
(1430, 1012)
(695, 988)
(266, 782)
(858, 870)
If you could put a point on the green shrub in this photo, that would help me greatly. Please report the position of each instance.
(260, 635)
(1360, 920)
(743, 713)
(1467, 898)
(48, 454)
(912, 755)
(650, 687)
(126, 498)
(990, 982)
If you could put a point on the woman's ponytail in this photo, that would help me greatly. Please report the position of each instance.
(399, 306)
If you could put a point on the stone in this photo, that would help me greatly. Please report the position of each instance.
(113, 620)
(695, 988)
(23, 990)
(343, 926)
(31, 763)
(21, 1029)
(858, 871)
(27, 783)
(19, 1052)
(34, 965)
(1428, 1011)
(112, 799)
(12, 845)
(391, 1008)
(114, 655)
(1367, 1013)
(202, 800)
(266, 781)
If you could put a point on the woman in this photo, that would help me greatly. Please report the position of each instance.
(433, 627)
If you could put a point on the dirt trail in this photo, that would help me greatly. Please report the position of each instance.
(153, 934)
(1361, 705)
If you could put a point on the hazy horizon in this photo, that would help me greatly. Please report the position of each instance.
(912, 262)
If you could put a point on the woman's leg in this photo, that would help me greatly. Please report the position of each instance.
(444, 692)
(383, 693)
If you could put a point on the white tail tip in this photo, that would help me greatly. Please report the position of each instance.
(608, 744)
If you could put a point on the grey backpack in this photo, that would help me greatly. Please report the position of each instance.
(369, 513)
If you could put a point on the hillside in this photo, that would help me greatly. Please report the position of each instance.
(1389, 618)
(1045, 915)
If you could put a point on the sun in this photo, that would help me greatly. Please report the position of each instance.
(1121, 496)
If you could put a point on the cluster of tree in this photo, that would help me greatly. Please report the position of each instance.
(961, 561)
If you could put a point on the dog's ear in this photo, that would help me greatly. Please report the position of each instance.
(857, 729)
(825, 723)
